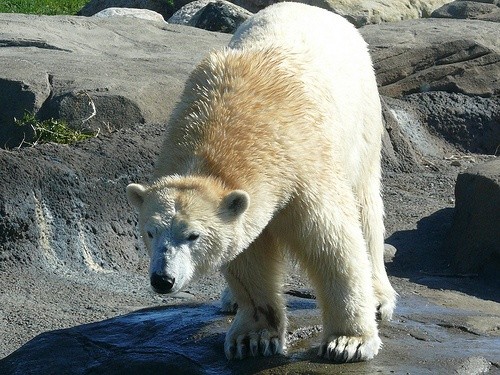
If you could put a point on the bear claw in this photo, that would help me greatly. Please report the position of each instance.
(349, 349)
(252, 345)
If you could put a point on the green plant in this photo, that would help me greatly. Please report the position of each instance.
(49, 7)
(52, 130)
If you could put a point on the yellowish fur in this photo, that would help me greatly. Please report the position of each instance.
(275, 146)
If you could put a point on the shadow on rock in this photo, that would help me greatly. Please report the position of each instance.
(422, 258)
(184, 339)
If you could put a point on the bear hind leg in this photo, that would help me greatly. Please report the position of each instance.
(255, 282)
(372, 222)
(228, 302)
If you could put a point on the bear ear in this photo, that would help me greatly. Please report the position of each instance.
(235, 203)
(135, 194)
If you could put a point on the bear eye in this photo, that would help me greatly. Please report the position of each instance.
(150, 234)
(193, 236)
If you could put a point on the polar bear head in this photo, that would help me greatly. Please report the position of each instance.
(189, 226)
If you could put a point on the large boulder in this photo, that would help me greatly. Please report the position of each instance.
(412, 56)
(95, 73)
(363, 12)
(185, 13)
(474, 238)
(487, 10)
(211, 15)
(94, 6)
(144, 14)
(376, 11)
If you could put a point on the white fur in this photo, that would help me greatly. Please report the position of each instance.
(340, 78)
(289, 117)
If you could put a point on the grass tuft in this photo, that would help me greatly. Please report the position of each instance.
(52, 130)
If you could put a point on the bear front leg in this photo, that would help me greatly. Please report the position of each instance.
(329, 244)
(255, 279)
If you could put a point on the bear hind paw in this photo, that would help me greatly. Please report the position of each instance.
(342, 349)
(254, 344)
(228, 302)
(385, 310)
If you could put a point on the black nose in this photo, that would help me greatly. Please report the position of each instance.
(162, 283)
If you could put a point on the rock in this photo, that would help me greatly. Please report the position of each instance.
(474, 238)
(144, 14)
(212, 15)
(177, 340)
(485, 11)
(398, 154)
(69, 247)
(389, 253)
(461, 56)
(58, 203)
(414, 136)
(186, 12)
(374, 12)
(159, 6)
(471, 123)
(220, 16)
(78, 66)
(363, 12)
(188, 339)
(473, 366)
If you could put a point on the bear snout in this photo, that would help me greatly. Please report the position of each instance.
(162, 283)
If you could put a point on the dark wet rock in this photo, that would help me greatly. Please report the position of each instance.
(474, 238)
(157, 341)
(461, 56)
(96, 73)
(471, 123)
(188, 339)
(94, 6)
(463, 9)
(220, 16)
(63, 207)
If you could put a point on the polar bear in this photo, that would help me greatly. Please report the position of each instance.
(273, 148)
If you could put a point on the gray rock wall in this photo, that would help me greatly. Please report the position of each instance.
(64, 67)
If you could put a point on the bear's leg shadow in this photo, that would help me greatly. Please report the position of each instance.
(255, 281)
(329, 244)
(372, 221)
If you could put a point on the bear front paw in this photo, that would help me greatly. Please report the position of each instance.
(349, 349)
(253, 344)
